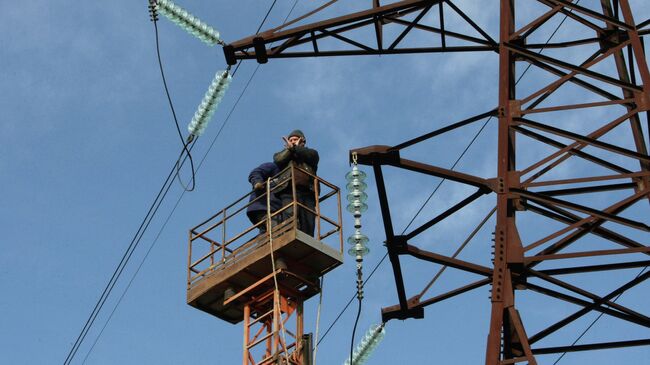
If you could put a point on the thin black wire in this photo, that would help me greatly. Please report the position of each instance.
(437, 187)
(171, 106)
(173, 209)
(122, 264)
(94, 315)
(354, 329)
(596, 320)
(128, 286)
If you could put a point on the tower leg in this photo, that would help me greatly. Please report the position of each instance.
(273, 328)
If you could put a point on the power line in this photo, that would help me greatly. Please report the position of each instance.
(165, 187)
(122, 264)
(171, 106)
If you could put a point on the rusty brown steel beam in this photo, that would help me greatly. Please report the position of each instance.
(587, 294)
(596, 268)
(588, 189)
(386, 155)
(583, 225)
(523, 52)
(447, 213)
(410, 26)
(377, 17)
(584, 139)
(437, 132)
(591, 346)
(447, 261)
(588, 308)
(572, 151)
(593, 14)
(566, 217)
(393, 312)
(581, 208)
(470, 21)
(447, 33)
(574, 16)
(391, 243)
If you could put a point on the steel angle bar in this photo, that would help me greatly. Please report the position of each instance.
(587, 294)
(392, 244)
(581, 208)
(392, 312)
(566, 217)
(470, 21)
(447, 33)
(588, 307)
(531, 27)
(448, 261)
(578, 69)
(347, 40)
(582, 226)
(564, 256)
(573, 151)
(563, 78)
(386, 155)
(597, 305)
(584, 139)
(452, 293)
(447, 213)
(632, 175)
(578, 42)
(563, 152)
(593, 14)
(533, 109)
(595, 268)
(408, 28)
(591, 346)
(444, 173)
(643, 24)
(573, 15)
(589, 189)
(437, 132)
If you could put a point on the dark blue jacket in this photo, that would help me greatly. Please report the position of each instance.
(260, 174)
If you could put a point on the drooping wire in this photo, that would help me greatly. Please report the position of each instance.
(148, 219)
(146, 255)
(122, 264)
(354, 330)
(154, 19)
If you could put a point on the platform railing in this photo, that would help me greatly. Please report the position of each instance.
(227, 236)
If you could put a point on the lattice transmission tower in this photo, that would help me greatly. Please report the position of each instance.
(579, 121)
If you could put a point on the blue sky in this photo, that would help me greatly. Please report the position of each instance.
(87, 139)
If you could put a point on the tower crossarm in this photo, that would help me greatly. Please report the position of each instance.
(406, 16)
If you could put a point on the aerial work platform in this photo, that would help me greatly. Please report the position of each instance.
(230, 262)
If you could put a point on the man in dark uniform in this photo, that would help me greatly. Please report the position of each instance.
(295, 153)
(256, 211)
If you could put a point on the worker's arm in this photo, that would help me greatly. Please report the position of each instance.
(307, 155)
(283, 157)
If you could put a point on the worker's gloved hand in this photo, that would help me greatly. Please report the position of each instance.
(258, 186)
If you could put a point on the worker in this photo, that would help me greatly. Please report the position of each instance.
(296, 154)
(257, 208)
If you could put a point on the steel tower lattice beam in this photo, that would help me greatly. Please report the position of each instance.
(587, 204)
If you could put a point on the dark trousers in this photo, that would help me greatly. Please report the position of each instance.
(306, 219)
(257, 216)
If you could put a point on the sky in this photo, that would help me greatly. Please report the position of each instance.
(87, 139)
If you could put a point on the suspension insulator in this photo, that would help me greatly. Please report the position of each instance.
(209, 104)
(189, 22)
